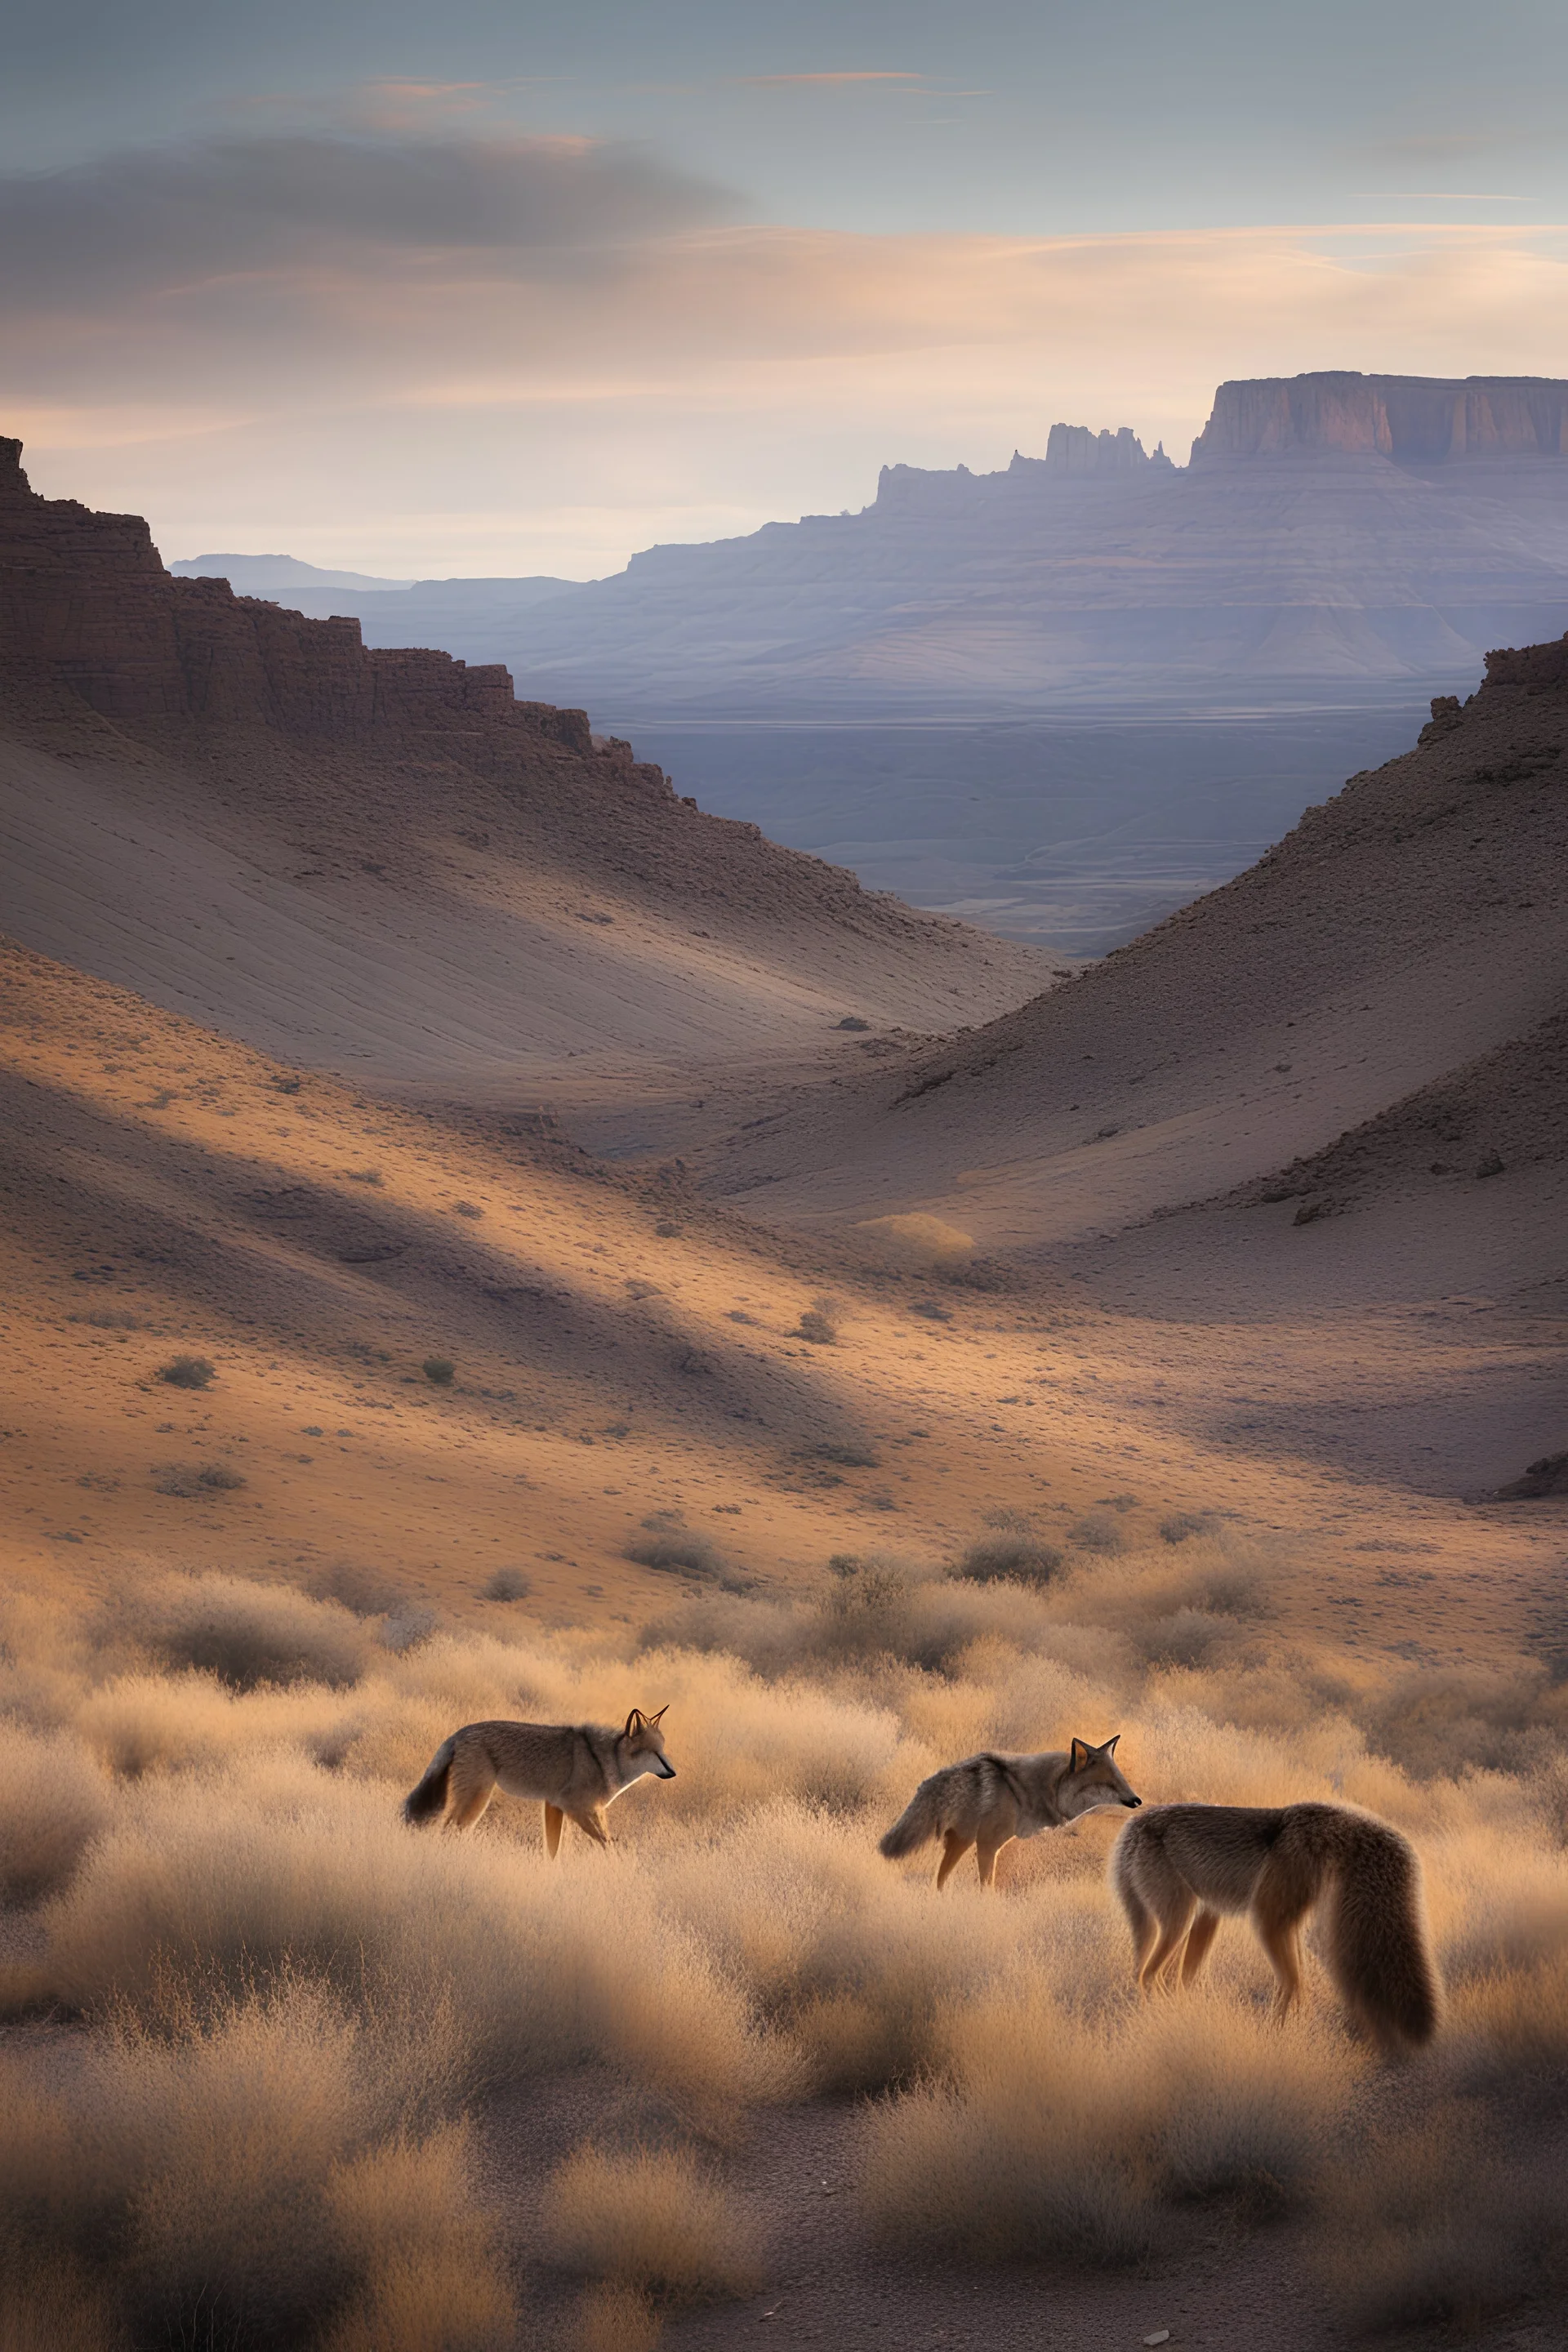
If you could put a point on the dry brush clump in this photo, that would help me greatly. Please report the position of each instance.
(56, 1801)
(258, 2175)
(653, 2220)
(225, 1871)
(243, 1632)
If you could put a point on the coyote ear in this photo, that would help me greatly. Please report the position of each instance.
(654, 1720)
(1079, 1757)
(1109, 1747)
(633, 1722)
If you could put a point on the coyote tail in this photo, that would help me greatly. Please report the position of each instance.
(1376, 1940)
(915, 1826)
(429, 1801)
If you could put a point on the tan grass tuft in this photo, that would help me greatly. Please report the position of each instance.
(616, 2319)
(54, 1803)
(652, 2219)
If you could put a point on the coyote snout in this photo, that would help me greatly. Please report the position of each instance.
(992, 1797)
(574, 1769)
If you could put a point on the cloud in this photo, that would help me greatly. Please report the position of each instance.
(783, 81)
(131, 223)
(533, 356)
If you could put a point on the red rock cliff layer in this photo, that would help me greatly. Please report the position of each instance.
(1415, 420)
(86, 603)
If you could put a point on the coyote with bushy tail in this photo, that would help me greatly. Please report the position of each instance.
(990, 1797)
(574, 1769)
(1180, 1869)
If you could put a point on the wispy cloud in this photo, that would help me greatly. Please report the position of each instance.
(428, 347)
(786, 81)
(134, 224)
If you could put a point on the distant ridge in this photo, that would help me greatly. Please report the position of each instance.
(259, 575)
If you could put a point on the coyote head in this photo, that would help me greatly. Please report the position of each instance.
(1092, 1780)
(642, 1745)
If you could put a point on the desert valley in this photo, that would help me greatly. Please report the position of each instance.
(487, 1237)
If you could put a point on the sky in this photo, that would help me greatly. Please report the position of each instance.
(503, 287)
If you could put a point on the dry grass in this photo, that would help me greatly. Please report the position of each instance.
(327, 2173)
(245, 1633)
(55, 1803)
(281, 1984)
(616, 2319)
(651, 2219)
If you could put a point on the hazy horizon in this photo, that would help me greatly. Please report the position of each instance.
(472, 298)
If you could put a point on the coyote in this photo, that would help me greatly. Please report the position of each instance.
(1181, 1867)
(990, 1799)
(575, 1769)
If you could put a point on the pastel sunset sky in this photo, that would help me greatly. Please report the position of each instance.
(510, 289)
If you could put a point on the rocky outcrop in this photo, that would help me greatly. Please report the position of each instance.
(87, 605)
(1076, 449)
(1415, 420)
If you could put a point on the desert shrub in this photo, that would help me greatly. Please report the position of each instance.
(817, 1326)
(53, 2301)
(363, 1175)
(247, 1634)
(1182, 1525)
(675, 1548)
(667, 1229)
(1445, 1721)
(193, 1480)
(306, 2126)
(861, 1610)
(407, 1627)
(1056, 2132)
(1442, 2222)
(1187, 1637)
(847, 1456)
(439, 1370)
(187, 1372)
(227, 1888)
(55, 1804)
(651, 2219)
(616, 2319)
(367, 1592)
(466, 1209)
(1097, 1532)
(1022, 1558)
(429, 2275)
(509, 1584)
(931, 1309)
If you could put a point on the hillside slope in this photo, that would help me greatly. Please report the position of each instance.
(383, 861)
(1416, 922)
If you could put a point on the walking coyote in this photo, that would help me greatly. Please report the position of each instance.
(575, 1770)
(1180, 1868)
(990, 1799)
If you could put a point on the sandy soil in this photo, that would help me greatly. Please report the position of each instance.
(161, 1194)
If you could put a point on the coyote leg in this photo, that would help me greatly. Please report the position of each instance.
(465, 1809)
(1140, 1919)
(986, 1850)
(955, 1848)
(553, 1819)
(1199, 1935)
(1281, 1940)
(1173, 1929)
(591, 1822)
